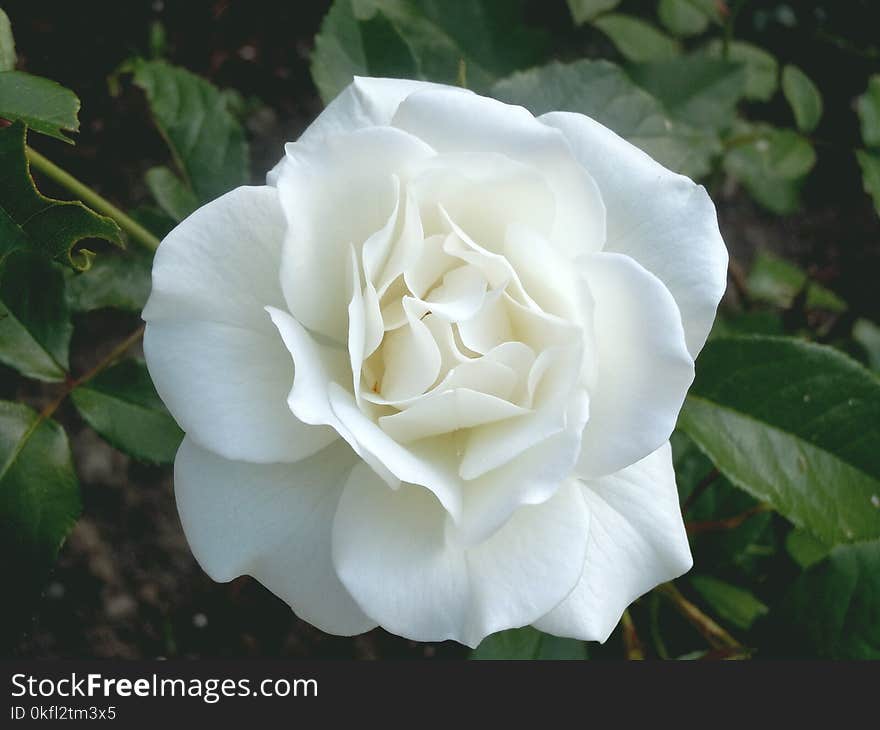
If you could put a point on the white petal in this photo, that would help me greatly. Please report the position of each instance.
(527, 477)
(412, 359)
(637, 541)
(392, 552)
(497, 270)
(212, 352)
(644, 367)
(430, 266)
(489, 328)
(501, 372)
(365, 102)
(483, 193)
(320, 370)
(271, 521)
(445, 412)
(663, 220)
(490, 447)
(460, 296)
(407, 247)
(456, 123)
(221, 263)
(545, 273)
(226, 388)
(336, 195)
(317, 366)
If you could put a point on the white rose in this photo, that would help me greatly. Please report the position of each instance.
(493, 320)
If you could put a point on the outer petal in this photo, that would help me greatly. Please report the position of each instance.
(453, 122)
(408, 573)
(213, 354)
(271, 521)
(366, 102)
(637, 541)
(644, 367)
(663, 220)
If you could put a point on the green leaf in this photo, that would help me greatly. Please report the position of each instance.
(423, 39)
(782, 197)
(818, 297)
(867, 334)
(870, 164)
(833, 609)
(868, 107)
(39, 502)
(757, 322)
(719, 500)
(796, 425)
(173, 195)
(762, 71)
(686, 17)
(31, 221)
(528, 643)
(7, 44)
(585, 10)
(777, 281)
(604, 92)
(732, 603)
(116, 282)
(43, 105)
(206, 141)
(773, 279)
(805, 549)
(635, 39)
(694, 90)
(771, 163)
(122, 405)
(803, 97)
(35, 326)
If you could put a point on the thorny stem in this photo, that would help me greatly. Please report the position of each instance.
(89, 196)
(716, 636)
(633, 648)
(105, 362)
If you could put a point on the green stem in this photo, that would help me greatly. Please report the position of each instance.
(91, 198)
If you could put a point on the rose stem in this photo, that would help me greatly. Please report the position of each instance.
(633, 648)
(89, 196)
(105, 362)
(704, 484)
(716, 636)
(729, 523)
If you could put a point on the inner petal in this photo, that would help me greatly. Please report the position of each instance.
(448, 411)
(411, 357)
(460, 296)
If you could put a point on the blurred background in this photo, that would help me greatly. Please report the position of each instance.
(125, 584)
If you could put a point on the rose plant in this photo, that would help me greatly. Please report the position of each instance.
(428, 373)
(439, 374)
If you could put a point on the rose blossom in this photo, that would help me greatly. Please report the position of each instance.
(428, 373)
